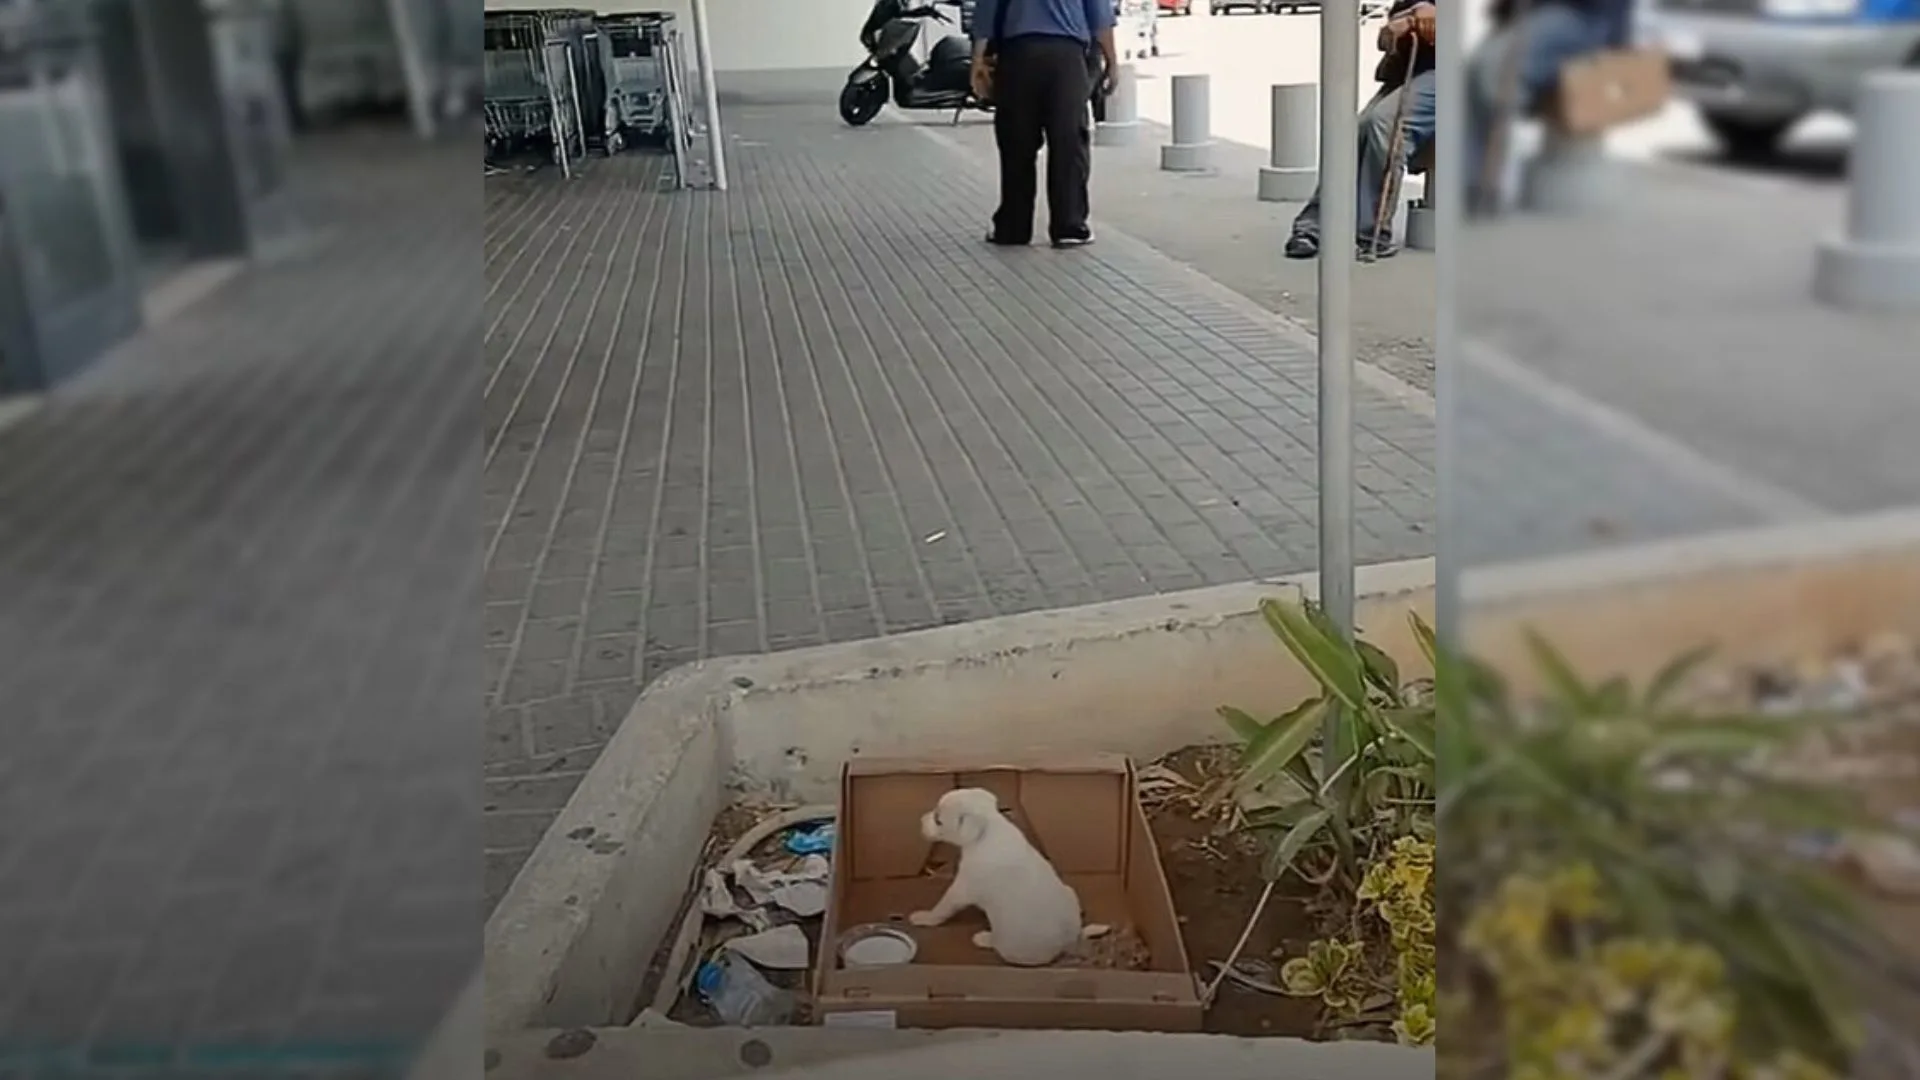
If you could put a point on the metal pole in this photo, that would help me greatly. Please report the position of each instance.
(709, 96)
(1447, 191)
(1339, 208)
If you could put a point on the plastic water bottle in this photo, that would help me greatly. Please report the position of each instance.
(739, 995)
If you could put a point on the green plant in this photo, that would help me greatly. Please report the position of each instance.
(1331, 971)
(1683, 824)
(1372, 783)
(1582, 998)
(1344, 781)
(1398, 890)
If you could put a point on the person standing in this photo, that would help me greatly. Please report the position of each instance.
(1039, 61)
(1407, 70)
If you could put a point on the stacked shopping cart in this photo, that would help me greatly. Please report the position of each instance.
(563, 84)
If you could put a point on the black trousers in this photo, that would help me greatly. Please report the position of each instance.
(1040, 93)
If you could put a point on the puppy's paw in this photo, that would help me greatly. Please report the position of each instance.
(925, 918)
(983, 939)
(1095, 930)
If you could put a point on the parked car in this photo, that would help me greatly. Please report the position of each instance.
(1228, 7)
(1175, 7)
(1753, 69)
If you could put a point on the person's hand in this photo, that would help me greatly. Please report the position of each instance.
(1397, 27)
(1425, 22)
(1109, 78)
(982, 78)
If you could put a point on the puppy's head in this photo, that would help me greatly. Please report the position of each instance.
(961, 817)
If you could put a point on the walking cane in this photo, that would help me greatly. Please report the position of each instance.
(1396, 146)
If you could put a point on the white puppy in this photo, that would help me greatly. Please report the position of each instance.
(1032, 916)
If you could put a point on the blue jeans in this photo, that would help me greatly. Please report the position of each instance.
(1376, 140)
(1549, 34)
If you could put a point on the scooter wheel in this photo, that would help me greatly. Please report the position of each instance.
(861, 102)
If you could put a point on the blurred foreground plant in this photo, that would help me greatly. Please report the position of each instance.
(1622, 898)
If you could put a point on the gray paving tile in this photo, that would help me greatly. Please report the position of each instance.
(815, 408)
(242, 605)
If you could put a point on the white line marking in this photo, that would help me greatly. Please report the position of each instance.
(1769, 500)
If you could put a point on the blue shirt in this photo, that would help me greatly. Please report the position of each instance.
(1081, 20)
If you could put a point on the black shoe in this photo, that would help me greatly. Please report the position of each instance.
(1366, 252)
(1074, 240)
(1006, 241)
(1302, 246)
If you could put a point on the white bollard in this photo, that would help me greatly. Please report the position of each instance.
(1423, 226)
(1122, 125)
(1875, 264)
(1192, 147)
(1294, 170)
(1570, 175)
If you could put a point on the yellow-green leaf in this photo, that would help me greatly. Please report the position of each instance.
(1379, 668)
(1279, 743)
(1429, 643)
(1674, 675)
(1245, 727)
(1298, 977)
(1560, 675)
(1416, 726)
(1330, 661)
(1281, 856)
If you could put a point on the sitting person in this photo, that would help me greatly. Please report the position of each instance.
(1502, 85)
(1408, 22)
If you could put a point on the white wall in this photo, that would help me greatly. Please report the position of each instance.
(752, 35)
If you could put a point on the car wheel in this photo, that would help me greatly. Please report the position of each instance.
(1747, 140)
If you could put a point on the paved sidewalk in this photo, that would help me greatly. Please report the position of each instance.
(1539, 472)
(1214, 222)
(817, 408)
(1688, 309)
(240, 573)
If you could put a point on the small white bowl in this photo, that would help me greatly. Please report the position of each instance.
(876, 945)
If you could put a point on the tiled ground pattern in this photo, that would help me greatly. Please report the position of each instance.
(817, 408)
(241, 659)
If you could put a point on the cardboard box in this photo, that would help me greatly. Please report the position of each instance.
(1609, 88)
(1084, 815)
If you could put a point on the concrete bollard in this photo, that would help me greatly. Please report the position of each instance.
(1192, 147)
(1294, 170)
(1423, 226)
(1875, 264)
(1570, 175)
(1122, 125)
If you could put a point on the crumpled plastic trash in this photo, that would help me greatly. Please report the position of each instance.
(814, 840)
(783, 948)
(802, 890)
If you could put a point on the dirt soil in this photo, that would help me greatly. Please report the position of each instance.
(1215, 878)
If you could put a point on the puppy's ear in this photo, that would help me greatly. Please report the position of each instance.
(968, 826)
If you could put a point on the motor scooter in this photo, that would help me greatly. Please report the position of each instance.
(891, 71)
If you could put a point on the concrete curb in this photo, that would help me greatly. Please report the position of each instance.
(1755, 596)
(561, 947)
(854, 1054)
(454, 1049)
